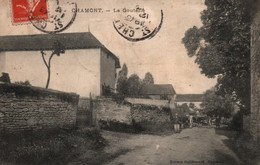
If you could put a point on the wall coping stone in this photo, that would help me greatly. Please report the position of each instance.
(22, 91)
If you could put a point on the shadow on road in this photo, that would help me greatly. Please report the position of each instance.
(240, 144)
(222, 158)
(231, 136)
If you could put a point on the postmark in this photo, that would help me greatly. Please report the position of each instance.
(138, 24)
(20, 10)
(61, 15)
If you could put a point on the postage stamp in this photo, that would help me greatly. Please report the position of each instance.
(138, 24)
(22, 9)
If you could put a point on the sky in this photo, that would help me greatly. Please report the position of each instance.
(164, 56)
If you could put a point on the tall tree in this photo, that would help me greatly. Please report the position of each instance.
(57, 50)
(222, 47)
(134, 86)
(148, 79)
(121, 86)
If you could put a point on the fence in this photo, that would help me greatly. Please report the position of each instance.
(85, 113)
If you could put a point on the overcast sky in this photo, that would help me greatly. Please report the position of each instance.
(163, 55)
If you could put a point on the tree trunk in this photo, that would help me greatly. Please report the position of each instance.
(49, 75)
(48, 67)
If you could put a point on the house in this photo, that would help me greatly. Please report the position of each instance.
(196, 99)
(159, 91)
(87, 66)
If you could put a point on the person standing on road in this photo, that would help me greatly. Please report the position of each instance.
(218, 122)
(191, 120)
(210, 121)
(176, 124)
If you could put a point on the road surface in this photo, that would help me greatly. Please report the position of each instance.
(191, 146)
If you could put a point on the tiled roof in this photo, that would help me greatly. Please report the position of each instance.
(45, 42)
(159, 89)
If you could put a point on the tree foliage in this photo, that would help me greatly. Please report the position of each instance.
(192, 105)
(222, 47)
(121, 86)
(217, 106)
(134, 86)
(148, 79)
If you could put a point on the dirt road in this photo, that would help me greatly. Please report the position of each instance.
(191, 146)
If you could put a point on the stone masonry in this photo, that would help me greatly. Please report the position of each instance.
(255, 76)
(108, 110)
(24, 108)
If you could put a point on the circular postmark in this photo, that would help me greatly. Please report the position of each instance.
(138, 24)
(60, 16)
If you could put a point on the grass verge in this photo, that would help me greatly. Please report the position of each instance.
(52, 147)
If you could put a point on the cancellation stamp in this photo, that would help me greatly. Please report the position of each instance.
(60, 16)
(138, 24)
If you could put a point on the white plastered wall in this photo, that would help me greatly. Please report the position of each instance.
(75, 71)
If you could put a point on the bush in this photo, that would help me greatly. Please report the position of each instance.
(237, 122)
(114, 125)
(55, 147)
(118, 98)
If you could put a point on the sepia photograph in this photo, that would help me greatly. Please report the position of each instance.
(141, 82)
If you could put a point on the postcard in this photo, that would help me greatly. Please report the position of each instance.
(129, 82)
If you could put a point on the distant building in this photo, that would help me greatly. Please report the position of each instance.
(86, 67)
(159, 91)
(196, 99)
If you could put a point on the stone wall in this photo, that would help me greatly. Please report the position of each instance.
(108, 110)
(25, 108)
(106, 113)
(255, 76)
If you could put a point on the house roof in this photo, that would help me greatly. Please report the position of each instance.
(189, 97)
(36, 42)
(159, 89)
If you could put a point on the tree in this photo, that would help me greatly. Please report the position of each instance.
(222, 47)
(121, 86)
(57, 50)
(217, 106)
(25, 83)
(148, 79)
(185, 108)
(134, 86)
